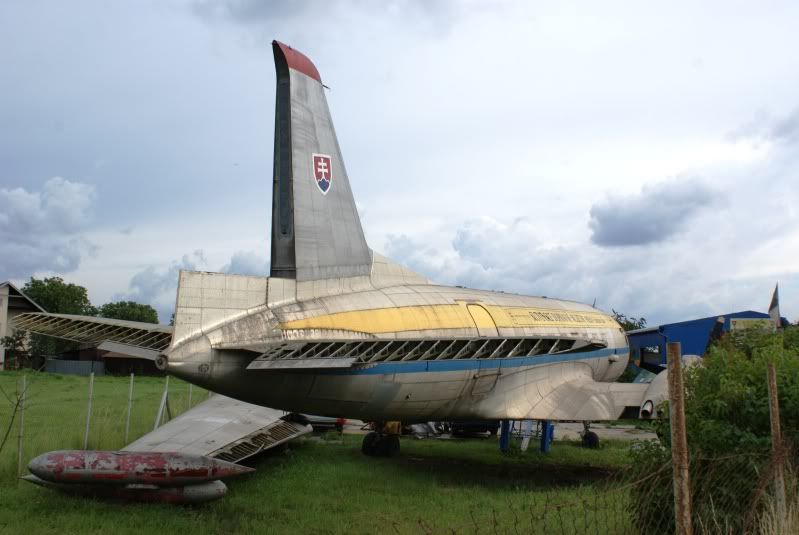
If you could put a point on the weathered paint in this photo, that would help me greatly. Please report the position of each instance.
(123, 467)
(298, 61)
(457, 316)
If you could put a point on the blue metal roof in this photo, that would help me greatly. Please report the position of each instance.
(693, 335)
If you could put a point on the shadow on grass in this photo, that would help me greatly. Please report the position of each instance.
(461, 463)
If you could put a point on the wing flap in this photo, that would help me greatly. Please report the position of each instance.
(295, 364)
(222, 428)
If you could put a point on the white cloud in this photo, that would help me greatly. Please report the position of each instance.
(247, 263)
(41, 231)
(526, 113)
(157, 286)
(699, 249)
(656, 214)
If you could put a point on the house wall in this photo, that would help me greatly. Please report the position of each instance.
(4, 319)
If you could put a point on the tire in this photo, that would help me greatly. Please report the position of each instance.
(389, 446)
(370, 443)
(590, 440)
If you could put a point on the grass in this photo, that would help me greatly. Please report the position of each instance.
(322, 484)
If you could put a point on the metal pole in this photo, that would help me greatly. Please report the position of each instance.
(190, 385)
(679, 441)
(504, 436)
(163, 405)
(88, 412)
(21, 424)
(130, 405)
(776, 446)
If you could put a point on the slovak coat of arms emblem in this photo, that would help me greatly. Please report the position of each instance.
(322, 172)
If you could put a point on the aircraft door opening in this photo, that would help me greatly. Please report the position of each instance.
(482, 320)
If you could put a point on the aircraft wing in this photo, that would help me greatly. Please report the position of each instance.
(222, 428)
(134, 338)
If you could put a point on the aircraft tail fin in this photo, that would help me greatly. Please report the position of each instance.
(316, 231)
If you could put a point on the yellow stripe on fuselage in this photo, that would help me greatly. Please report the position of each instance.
(430, 317)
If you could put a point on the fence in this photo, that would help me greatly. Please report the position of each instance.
(45, 412)
(666, 490)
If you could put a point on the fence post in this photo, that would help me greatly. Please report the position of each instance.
(776, 447)
(21, 432)
(88, 412)
(679, 441)
(130, 405)
(164, 405)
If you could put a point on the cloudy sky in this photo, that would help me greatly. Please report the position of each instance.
(642, 156)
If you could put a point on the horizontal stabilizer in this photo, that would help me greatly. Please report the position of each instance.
(116, 348)
(93, 330)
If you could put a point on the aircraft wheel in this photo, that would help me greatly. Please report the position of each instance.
(370, 443)
(389, 446)
(590, 440)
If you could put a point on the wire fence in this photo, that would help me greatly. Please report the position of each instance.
(731, 496)
(752, 492)
(45, 412)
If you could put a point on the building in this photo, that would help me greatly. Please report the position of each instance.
(12, 303)
(648, 345)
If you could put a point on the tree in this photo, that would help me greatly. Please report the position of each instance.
(17, 354)
(55, 295)
(130, 311)
(628, 323)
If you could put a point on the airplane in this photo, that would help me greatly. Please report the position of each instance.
(339, 330)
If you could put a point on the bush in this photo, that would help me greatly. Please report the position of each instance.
(728, 430)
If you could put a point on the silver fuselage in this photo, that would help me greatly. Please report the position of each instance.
(398, 385)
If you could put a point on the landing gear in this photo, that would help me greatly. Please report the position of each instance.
(369, 444)
(590, 439)
(380, 444)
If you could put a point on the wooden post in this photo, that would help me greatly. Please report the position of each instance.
(88, 412)
(21, 430)
(679, 441)
(190, 387)
(130, 406)
(776, 446)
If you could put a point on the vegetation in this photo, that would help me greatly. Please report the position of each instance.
(59, 297)
(318, 485)
(728, 429)
(17, 354)
(628, 323)
(130, 311)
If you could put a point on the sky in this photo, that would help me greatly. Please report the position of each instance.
(638, 155)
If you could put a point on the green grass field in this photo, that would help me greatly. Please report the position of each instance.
(321, 484)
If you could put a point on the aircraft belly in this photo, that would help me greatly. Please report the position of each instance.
(559, 390)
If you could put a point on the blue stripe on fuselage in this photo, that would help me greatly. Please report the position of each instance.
(382, 368)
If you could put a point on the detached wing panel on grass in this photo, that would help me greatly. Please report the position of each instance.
(223, 428)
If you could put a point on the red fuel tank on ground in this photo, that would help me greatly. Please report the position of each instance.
(129, 467)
